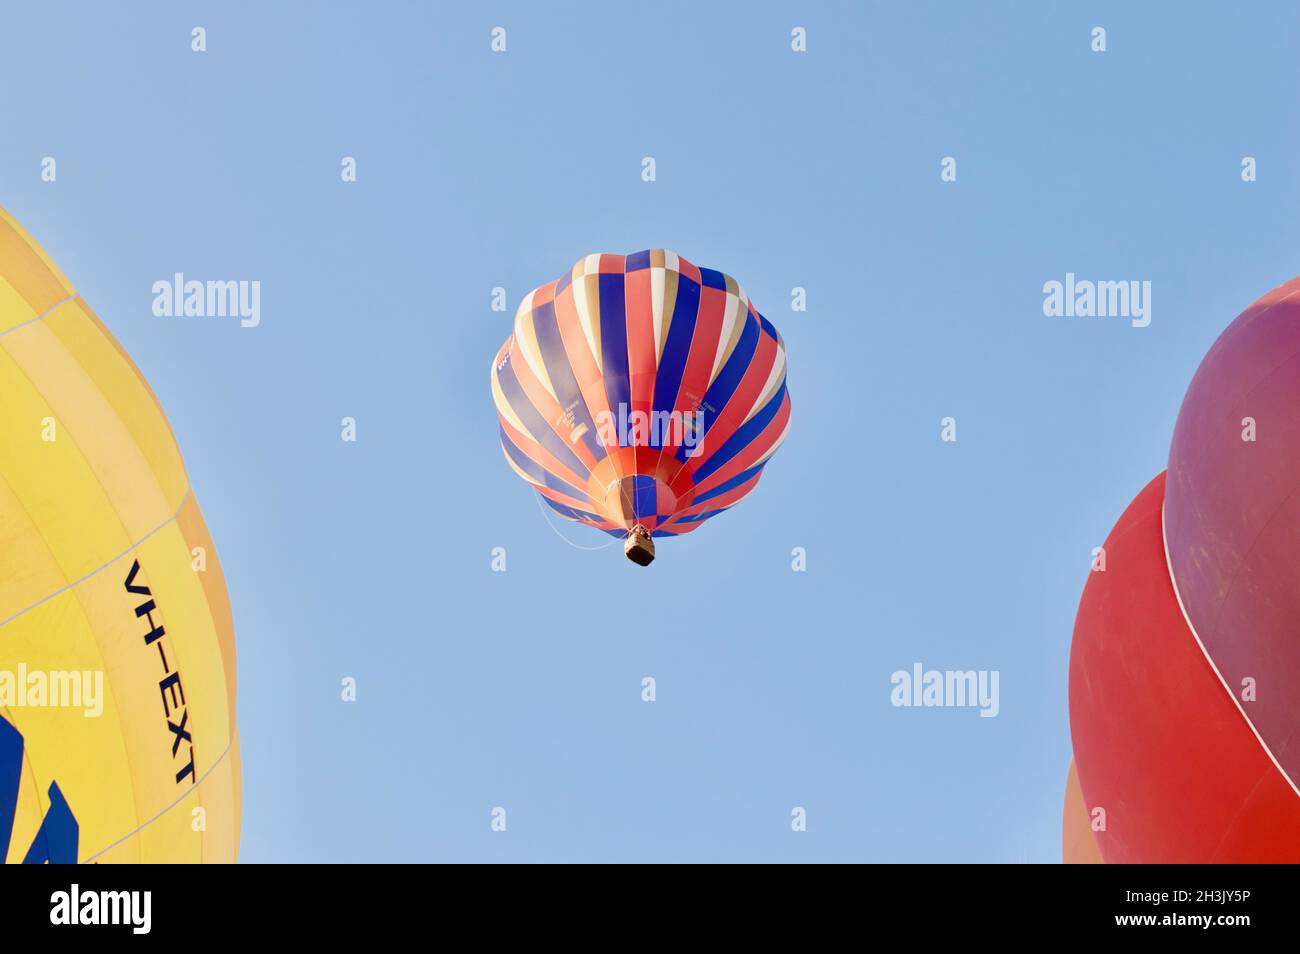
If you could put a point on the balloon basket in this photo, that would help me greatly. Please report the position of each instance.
(639, 548)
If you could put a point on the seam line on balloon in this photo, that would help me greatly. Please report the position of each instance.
(143, 825)
(1169, 567)
(42, 316)
(103, 566)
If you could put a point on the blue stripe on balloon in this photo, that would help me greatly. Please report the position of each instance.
(563, 380)
(713, 279)
(681, 329)
(644, 499)
(740, 440)
(637, 261)
(536, 470)
(574, 514)
(727, 485)
(533, 420)
(728, 379)
(613, 345)
(701, 517)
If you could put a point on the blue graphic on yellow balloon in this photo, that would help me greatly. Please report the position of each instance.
(56, 839)
(118, 740)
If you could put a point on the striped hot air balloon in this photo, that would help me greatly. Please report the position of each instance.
(117, 661)
(641, 395)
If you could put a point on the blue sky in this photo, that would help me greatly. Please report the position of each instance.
(819, 170)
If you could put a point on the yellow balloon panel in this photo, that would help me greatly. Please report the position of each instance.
(117, 662)
(36, 282)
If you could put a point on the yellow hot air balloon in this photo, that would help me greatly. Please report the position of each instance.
(117, 658)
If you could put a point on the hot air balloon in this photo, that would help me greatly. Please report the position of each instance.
(1185, 668)
(1233, 512)
(1078, 846)
(1162, 747)
(117, 665)
(641, 395)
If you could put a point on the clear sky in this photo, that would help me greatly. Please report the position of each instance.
(819, 169)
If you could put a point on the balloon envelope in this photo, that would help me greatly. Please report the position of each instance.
(111, 597)
(1233, 510)
(1078, 845)
(1161, 746)
(641, 390)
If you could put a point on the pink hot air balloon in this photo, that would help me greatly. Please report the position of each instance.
(1232, 515)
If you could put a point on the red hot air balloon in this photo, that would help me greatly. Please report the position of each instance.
(1162, 747)
(1185, 668)
(641, 395)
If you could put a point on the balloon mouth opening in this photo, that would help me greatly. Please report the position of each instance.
(638, 547)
